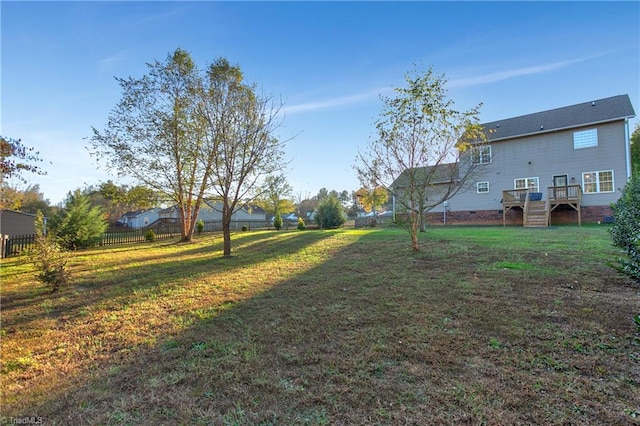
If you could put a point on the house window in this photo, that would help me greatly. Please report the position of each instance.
(594, 182)
(482, 154)
(482, 187)
(585, 139)
(527, 183)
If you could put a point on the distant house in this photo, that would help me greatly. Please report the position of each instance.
(562, 165)
(211, 211)
(15, 223)
(171, 213)
(140, 218)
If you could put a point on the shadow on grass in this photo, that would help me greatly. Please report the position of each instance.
(374, 334)
(118, 282)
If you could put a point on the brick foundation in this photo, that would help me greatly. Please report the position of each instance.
(563, 215)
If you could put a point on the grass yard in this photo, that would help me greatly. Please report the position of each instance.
(483, 326)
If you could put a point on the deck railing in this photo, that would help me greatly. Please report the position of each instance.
(514, 197)
(564, 194)
(556, 195)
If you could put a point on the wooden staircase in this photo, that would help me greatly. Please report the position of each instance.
(536, 214)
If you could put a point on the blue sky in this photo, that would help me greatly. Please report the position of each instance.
(328, 61)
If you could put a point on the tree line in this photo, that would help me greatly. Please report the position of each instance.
(188, 134)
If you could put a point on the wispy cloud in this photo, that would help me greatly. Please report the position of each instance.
(108, 62)
(342, 101)
(518, 72)
(157, 17)
(331, 103)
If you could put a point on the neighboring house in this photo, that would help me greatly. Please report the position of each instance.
(576, 159)
(15, 223)
(172, 213)
(140, 218)
(211, 211)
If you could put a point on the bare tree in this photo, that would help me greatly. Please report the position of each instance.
(423, 153)
(242, 123)
(305, 204)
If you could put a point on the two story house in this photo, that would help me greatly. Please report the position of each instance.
(565, 165)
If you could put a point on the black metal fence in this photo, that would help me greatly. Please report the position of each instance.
(17, 244)
(136, 236)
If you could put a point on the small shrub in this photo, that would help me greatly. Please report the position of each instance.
(330, 214)
(626, 228)
(150, 236)
(200, 226)
(301, 225)
(79, 224)
(49, 258)
(245, 228)
(277, 222)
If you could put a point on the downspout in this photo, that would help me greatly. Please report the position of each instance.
(627, 145)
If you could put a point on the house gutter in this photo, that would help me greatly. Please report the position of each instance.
(627, 146)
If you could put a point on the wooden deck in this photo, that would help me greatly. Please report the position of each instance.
(570, 195)
(538, 213)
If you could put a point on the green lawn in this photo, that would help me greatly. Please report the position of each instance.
(484, 325)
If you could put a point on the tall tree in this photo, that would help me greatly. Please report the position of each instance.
(635, 150)
(322, 194)
(345, 198)
(275, 195)
(116, 200)
(141, 197)
(110, 197)
(16, 158)
(242, 123)
(155, 135)
(27, 200)
(371, 199)
(189, 134)
(422, 153)
(306, 205)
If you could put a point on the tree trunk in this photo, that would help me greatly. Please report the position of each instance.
(415, 219)
(423, 218)
(192, 223)
(185, 218)
(226, 230)
(188, 217)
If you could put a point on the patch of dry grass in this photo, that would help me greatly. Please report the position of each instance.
(485, 325)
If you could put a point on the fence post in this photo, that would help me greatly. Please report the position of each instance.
(5, 245)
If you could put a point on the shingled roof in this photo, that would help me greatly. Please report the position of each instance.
(584, 114)
(434, 175)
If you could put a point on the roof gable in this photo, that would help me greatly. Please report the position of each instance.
(136, 213)
(583, 114)
(433, 175)
(15, 212)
